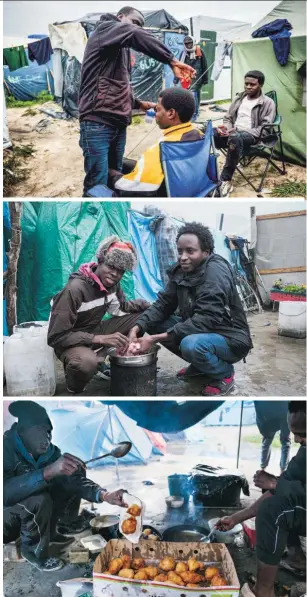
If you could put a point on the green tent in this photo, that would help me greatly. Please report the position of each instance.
(57, 237)
(288, 81)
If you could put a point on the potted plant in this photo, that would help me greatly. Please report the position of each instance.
(287, 291)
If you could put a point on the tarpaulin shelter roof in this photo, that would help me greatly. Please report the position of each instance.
(292, 10)
(158, 19)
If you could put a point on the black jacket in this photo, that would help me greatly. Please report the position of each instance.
(208, 302)
(23, 476)
(105, 90)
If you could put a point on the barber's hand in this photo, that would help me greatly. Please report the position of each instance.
(117, 340)
(65, 465)
(222, 130)
(182, 70)
(146, 105)
(226, 523)
(115, 498)
(264, 480)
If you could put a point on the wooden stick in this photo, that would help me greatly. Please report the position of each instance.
(286, 214)
(13, 256)
(283, 270)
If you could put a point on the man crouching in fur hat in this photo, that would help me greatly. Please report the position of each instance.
(75, 328)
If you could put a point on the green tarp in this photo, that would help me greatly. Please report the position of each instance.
(288, 81)
(57, 237)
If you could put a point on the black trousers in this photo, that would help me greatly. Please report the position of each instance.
(279, 518)
(235, 144)
(34, 519)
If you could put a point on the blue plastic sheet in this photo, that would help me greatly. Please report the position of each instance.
(28, 82)
(147, 277)
(6, 229)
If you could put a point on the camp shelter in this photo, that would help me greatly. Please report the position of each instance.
(148, 76)
(288, 81)
(91, 432)
(215, 31)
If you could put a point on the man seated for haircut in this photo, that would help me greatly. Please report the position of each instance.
(211, 331)
(174, 111)
(280, 512)
(41, 486)
(241, 127)
(75, 328)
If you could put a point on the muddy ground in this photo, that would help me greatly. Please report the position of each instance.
(20, 579)
(275, 367)
(56, 167)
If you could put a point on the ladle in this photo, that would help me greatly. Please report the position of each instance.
(118, 451)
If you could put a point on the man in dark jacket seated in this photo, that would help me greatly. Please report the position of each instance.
(81, 340)
(280, 512)
(41, 485)
(211, 331)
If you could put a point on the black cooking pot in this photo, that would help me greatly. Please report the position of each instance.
(145, 526)
(109, 528)
(185, 533)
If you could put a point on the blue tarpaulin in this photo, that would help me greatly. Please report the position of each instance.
(28, 82)
(6, 232)
(147, 277)
(89, 433)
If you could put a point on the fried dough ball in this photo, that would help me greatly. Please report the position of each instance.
(126, 561)
(115, 565)
(134, 510)
(161, 578)
(129, 526)
(167, 564)
(201, 566)
(218, 581)
(147, 532)
(141, 575)
(151, 572)
(126, 573)
(175, 579)
(211, 571)
(193, 564)
(191, 586)
(181, 567)
(191, 577)
(138, 563)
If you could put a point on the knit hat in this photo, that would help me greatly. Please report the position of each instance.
(29, 414)
(118, 254)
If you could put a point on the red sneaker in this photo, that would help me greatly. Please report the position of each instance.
(219, 388)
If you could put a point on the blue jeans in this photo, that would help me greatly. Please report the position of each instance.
(285, 440)
(103, 148)
(209, 353)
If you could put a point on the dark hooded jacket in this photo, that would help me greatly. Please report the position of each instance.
(78, 309)
(23, 476)
(105, 93)
(208, 302)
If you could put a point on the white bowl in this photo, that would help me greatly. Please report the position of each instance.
(174, 501)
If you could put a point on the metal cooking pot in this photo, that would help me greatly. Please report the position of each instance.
(106, 526)
(139, 360)
(184, 533)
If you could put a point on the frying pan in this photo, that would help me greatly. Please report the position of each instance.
(184, 533)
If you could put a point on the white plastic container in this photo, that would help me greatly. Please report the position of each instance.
(29, 363)
(150, 116)
(292, 319)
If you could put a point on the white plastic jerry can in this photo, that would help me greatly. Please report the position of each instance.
(29, 363)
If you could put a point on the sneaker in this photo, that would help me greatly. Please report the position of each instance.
(226, 188)
(104, 371)
(219, 388)
(49, 564)
(190, 372)
(60, 540)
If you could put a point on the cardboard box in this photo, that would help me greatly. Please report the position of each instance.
(106, 585)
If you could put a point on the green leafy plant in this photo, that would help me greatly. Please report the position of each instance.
(289, 188)
(289, 287)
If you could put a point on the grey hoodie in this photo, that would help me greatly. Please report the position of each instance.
(263, 112)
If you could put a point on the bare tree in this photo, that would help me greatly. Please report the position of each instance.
(13, 256)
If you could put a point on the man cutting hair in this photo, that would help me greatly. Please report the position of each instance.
(106, 98)
(79, 338)
(41, 485)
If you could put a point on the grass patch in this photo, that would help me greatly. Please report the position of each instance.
(14, 170)
(221, 102)
(42, 98)
(257, 439)
(136, 120)
(289, 188)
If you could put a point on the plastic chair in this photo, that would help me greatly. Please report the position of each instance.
(190, 167)
(270, 136)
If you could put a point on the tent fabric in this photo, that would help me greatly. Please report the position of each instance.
(57, 237)
(158, 442)
(6, 234)
(169, 416)
(288, 81)
(147, 277)
(70, 37)
(161, 19)
(88, 433)
(28, 82)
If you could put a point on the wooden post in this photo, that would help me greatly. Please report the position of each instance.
(13, 256)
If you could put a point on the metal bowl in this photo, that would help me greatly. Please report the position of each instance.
(139, 360)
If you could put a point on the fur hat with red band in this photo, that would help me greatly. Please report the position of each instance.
(116, 253)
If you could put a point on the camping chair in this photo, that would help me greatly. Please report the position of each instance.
(264, 149)
(190, 167)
